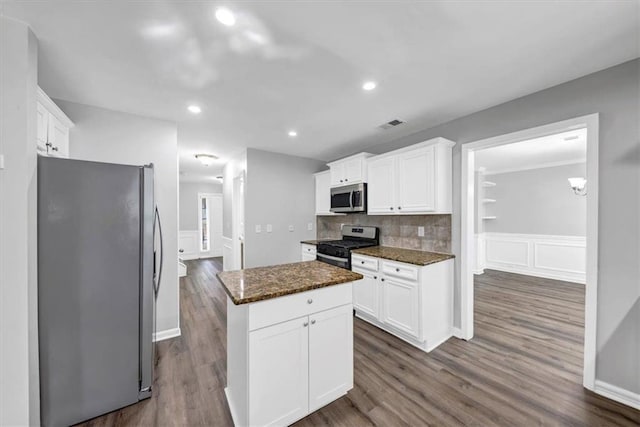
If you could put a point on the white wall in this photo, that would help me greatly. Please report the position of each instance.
(19, 374)
(537, 201)
(280, 191)
(189, 201)
(115, 137)
(614, 94)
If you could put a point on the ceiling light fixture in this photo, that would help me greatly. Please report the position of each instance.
(293, 133)
(225, 17)
(219, 178)
(369, 85)
(206, 159)
(194, 109)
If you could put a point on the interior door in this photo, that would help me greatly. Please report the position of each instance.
(279, 373)
(400, 305)
(381, 187)
(330, 355)
(416, 181)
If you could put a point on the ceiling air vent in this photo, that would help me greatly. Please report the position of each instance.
(391, 124)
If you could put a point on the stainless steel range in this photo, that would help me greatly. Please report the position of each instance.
(338, 252)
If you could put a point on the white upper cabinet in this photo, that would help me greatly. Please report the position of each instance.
(350, 170)
(412, 180)
(53, 127)
(323, 196)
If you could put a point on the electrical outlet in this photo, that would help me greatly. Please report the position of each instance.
(421, 231)
(269, 228)
(258, 228)
(310, 226)
(291, 228)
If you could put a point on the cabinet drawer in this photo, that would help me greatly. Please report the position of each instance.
(364, 262)
(401, 270)
(278, 310)
(308, 249)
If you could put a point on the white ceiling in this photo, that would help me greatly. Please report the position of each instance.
(553, 150)
(300, 65)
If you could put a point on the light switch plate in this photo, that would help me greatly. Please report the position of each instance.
(420, 231)
(291, 228)
(310, 226)
(258, 228)
(269, 228)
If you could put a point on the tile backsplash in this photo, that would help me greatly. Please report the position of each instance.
(400, 231)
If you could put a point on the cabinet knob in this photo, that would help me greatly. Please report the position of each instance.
(309, 249)
(361, 262)
(391, 208)
(399, 207)
(313, 322)
(181, 251)
(375, 277)
(397, 270)
(309, 301)
(340, 180)
(305, 324)
(54, 148)
(382, 279)
(345, 180)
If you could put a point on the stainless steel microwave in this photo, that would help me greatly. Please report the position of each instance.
(349, 198)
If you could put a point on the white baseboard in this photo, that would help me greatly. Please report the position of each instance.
(618, 394)
(457, 332)
(166, 334)
(551, 257)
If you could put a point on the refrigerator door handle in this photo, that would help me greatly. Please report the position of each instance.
(157, 274)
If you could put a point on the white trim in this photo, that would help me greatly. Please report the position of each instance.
(166, 334)
(538, 166)
(467, 259)
(618, 394)
(457, 332)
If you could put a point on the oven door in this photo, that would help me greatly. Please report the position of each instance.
(334, 260)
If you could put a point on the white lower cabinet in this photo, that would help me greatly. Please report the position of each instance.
(415, 303)
(308, 252)
(289, 356)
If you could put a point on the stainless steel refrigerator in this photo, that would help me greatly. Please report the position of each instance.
(97, 283)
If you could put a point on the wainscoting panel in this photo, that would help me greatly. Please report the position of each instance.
(188, 241)
(227, 253)
(553, 257)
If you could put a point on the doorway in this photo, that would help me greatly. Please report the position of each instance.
(468, 238)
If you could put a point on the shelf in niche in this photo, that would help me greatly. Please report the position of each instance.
(489, 217)
(488, 200)
(488, 184)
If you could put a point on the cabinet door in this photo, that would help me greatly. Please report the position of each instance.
(365, 293)
(58, 136)
(400, 305)
(323, 195)
(381, 187)
(279, 373)
(353, 172)
(416, 181)
(330, 355)
(337, 174)
(42, 123)
(308, 256)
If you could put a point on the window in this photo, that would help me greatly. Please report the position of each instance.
(204, 224)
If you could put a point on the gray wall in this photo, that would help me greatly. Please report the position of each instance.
(614, 94)
(280, 191)
(115, 137)
(537, 201)
(189, 202)
(19, 374)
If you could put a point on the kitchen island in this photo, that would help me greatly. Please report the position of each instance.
(289, 340)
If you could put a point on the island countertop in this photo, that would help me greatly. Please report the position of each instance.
(409, 256)
(263, 283)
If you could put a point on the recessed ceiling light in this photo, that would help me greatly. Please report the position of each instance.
(206, 159)
(293, 133)
(225, 16)
(369, 85)
(194, 109)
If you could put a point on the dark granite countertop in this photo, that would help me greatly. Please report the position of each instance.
(263, 283)
(315, 242)
(410, 256)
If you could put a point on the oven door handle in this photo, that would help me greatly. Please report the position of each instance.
(334, 258)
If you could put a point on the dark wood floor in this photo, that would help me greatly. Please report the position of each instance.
(522, 368)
